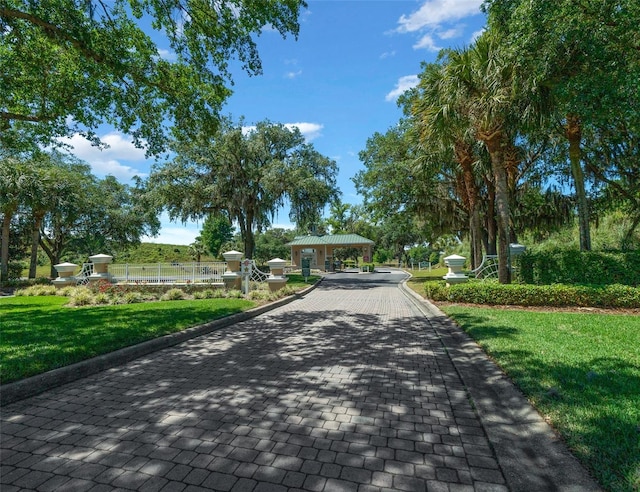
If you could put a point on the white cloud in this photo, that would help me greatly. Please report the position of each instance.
(283, 225)
(310, 131)
(293, 75)
(167, 55)
(387, 54)
(404, 84)
(107, 160)
(476, 35)
(173, 235)
(450, 33)
(427, 42)
(435, 12)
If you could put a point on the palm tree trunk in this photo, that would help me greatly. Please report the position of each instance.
(494, 144)
(464, 156)
(573, 132)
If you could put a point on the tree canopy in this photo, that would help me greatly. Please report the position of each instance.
(68, 65)
(533, 124)
(248, 173)
(69, 212)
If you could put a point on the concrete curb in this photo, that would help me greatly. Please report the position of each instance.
(531, 455)
(25, 388)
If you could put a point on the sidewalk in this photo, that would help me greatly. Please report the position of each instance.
(355, 387)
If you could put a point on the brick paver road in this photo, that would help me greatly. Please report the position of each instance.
(347, 389)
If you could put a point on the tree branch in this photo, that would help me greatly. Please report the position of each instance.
(9, 116)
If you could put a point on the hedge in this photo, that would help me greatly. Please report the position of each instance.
(558, 295)
(579, 267)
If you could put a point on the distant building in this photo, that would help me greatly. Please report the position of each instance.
(319, 249)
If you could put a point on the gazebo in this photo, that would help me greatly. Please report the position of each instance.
(319, 249)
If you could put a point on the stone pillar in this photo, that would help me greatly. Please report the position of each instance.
(231, 277)
(277, 279)
(455, 275)
(100, 268)
(65, 275)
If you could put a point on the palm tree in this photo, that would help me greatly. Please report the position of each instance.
(197, 249)
(443, 122)
(481, 76)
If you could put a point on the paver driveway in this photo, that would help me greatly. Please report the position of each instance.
(347, 389)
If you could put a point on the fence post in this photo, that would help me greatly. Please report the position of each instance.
(277, 279)
(232, 278)
(100, 267)
(455, 275)
(65, 275)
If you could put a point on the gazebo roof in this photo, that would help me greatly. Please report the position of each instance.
(345, 240)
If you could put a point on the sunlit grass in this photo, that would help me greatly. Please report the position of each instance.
(296, 280)
(38, 334)
(581, 371)
(419, 277)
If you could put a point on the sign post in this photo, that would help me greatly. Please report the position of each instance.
(245, 271)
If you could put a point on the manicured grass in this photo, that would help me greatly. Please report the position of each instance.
(296, 280)
(581, 371)
(419, 277)
(38, 334)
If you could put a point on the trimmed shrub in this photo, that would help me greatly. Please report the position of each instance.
(102, 299)
(558, 295)
(367, 267)
(578, 267)
(132, 298)
(173, 295)
(81, 296)
(37, 290)
(234, 294)
(14, 269)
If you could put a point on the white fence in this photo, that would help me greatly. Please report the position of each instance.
(168, 273)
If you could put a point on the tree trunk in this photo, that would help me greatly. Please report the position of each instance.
(35, 241)
(464, 155)
(490, 219)
(4, 254)
(512, 162)
(53, 251)
(573, 133)
(494, 144)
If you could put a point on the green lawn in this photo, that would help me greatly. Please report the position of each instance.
(419, 277)
(38, 334)
(581, 371)
(296, 280)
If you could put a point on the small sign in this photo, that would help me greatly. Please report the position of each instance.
(365, 259)
(245, 267)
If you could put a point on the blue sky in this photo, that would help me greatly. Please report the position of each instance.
(338, 83)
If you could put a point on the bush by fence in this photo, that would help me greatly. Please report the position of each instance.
(493, 293)
(579, 267)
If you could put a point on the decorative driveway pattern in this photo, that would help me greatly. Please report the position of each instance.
(347, 389)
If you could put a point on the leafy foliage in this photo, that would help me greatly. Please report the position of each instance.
(557, 295)
(216, 232)
(247, 174)
(70, 213)
(585, 267)
(69, 65)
